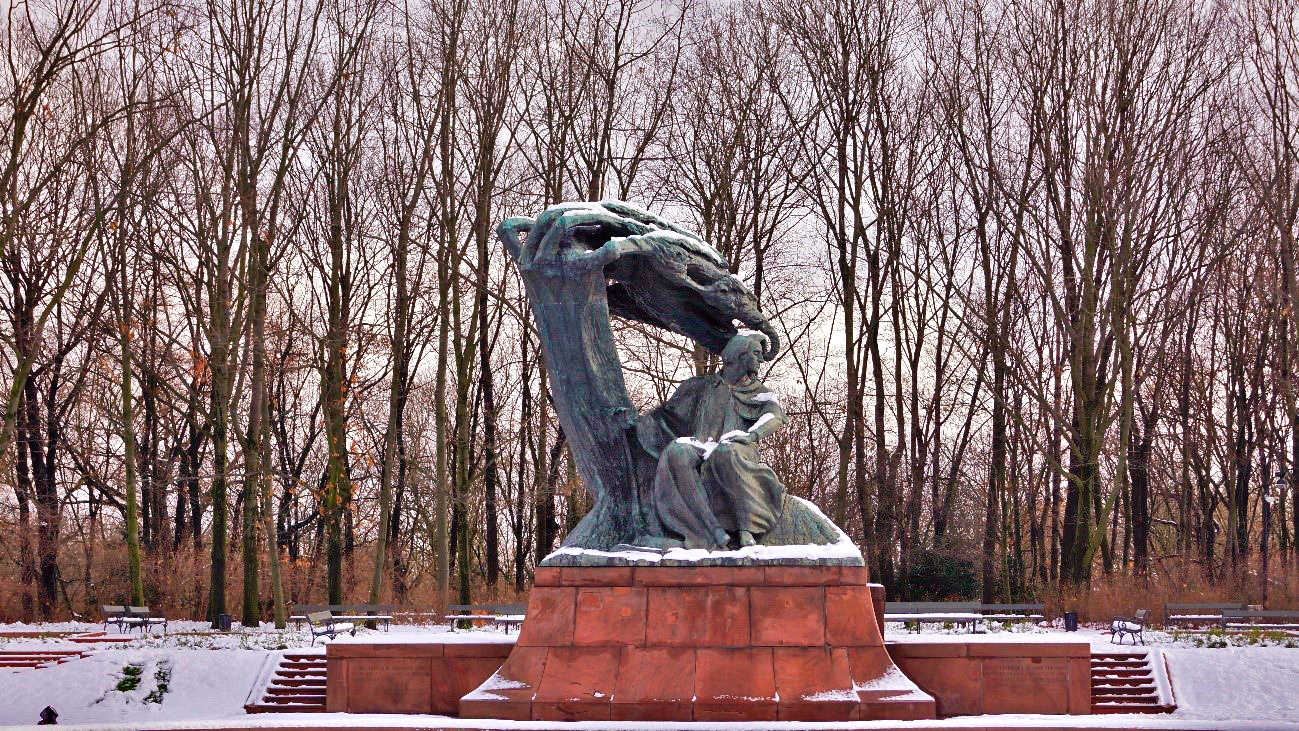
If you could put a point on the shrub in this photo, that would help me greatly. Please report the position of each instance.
(938, 575)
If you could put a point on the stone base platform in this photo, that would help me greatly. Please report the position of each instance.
(967, 676)
(975, 676)
(756, 643)
(419, 674)
(317, 722)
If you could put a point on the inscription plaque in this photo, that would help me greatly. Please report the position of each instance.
(1025, 685)
(393, 685)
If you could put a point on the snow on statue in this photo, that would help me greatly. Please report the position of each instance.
(687, 474)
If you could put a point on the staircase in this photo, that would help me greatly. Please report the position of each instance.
(96, 638)
(37, 658)
(293, 682)
(1130, 681)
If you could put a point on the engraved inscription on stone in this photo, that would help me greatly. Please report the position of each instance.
(1025, 685)
(1012, 670)
(387, 669)
(389, 684)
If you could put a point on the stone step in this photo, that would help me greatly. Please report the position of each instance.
(20, 659)
(92, 638)
(285, 708)
(31, 656)
(1119, 663)
(320, 673)
(284, 690)
(1136, 680)
(295, 698)
(1124, 682)
(280, 691)
(1130, 690)
(1099, 708)
(1120, 673)
(300, 682)
(1145, 698)
(297, 685)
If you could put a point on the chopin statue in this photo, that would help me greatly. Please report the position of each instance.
(709, 483)
(687, 473)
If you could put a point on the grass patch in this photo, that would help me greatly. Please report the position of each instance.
(130, 679)
(1217, 638)
(161, 675)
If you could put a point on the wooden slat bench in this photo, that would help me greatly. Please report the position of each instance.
(501, 615)
(1280, 620)
(126, 618)
(1013, 612)
(914, 614)
(971, 615)
(1198, 613)
(380, 613)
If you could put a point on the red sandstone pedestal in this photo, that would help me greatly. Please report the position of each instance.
(712, 643)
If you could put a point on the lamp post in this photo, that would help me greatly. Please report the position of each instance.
(1267, 523)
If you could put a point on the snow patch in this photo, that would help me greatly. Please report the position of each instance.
(843, 548)
(708, 445)
(496, 682)
(762, 420)
(832, 695)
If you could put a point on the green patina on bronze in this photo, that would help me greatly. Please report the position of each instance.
(689, 472)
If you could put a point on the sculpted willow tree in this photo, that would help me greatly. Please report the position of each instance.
(579, 263)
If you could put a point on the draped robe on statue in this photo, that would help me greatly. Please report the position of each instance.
(707, 485)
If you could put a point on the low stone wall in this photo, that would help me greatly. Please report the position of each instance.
(965, 676)
(971, 677)
(427, 674)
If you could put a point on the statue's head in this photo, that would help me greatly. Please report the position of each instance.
(741, 357)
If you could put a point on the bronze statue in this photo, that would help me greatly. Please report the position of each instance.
(709, 482)
(687, 474)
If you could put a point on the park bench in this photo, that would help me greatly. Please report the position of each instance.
(963, 614)
(914, 614)
(378, 613)
(1122, 627)
(1013, 612)
(1196, 614)
(1280, 620)
(126, 618)
(501, 615)
(325, 624)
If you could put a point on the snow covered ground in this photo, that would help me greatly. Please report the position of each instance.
(207, 677)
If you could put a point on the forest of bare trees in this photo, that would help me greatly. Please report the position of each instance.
(1035, 264)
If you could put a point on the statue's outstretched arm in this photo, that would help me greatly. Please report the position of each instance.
(510, 230)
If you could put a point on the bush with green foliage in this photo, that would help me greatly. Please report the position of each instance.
(937, 575)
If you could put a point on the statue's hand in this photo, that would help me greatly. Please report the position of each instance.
(510, 230)
(745, 438)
